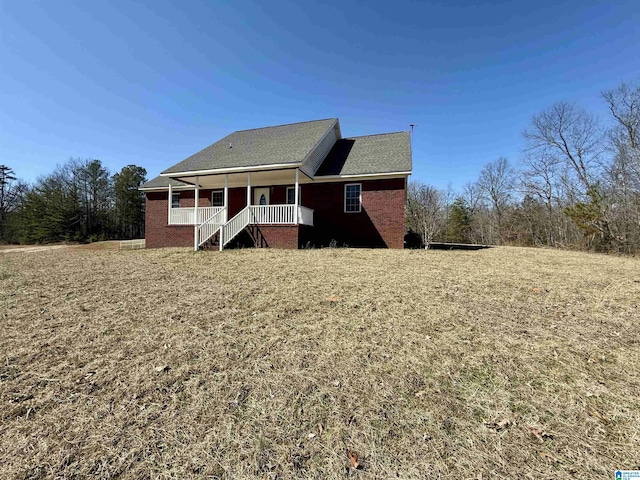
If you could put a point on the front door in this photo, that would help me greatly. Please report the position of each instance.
(261, 196)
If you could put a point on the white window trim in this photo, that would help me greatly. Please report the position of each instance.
(175, 195)
(346, 185)
(299, 195)
(220, 191)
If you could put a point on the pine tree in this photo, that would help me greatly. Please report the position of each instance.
(458, 223)
(129, 201)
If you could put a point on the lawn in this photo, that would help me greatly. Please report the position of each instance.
(496, 364)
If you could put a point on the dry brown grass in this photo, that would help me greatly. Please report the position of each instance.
(271, 364)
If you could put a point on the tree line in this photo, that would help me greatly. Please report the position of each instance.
(577, 185)
(79, 201)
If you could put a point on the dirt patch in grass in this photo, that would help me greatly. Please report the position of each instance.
(502, 363)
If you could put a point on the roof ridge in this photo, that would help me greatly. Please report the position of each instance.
(376, 134)
(287, 124)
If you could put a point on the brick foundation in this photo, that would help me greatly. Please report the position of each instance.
(275, 236)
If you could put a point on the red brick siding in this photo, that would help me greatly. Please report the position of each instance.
(279, 236)
(157, 232)
(383, 201)
(379, 224)
(187, 198)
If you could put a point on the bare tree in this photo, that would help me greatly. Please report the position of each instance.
(571, 137)
(543, 179)
(472, 196)
(497, 184)
(624, 172)
(426, 210)
(624, 105)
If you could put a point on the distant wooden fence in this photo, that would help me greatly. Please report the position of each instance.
(132, 244)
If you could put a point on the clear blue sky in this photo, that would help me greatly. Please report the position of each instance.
(152, 82)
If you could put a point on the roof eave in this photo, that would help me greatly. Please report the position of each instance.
(217, 171)
(165, 188)
(402, 173)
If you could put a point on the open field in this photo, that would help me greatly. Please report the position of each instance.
(105, 245)
(496, 364)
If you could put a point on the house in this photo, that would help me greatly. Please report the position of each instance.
(287, 186)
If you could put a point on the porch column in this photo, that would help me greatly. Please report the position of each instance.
(195, 215)
(226, 198)
(297, 197)
(169, 203)
(248, 189)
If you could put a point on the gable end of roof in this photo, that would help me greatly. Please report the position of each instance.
(384, 153)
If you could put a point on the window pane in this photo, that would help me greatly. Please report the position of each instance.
(175, 200)
(217, 198)
(352, 198)
(291, 195)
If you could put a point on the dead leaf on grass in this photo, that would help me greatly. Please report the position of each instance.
(594, 413)
(540, 434)
(498, 426)
(333, 298)
(353, 457)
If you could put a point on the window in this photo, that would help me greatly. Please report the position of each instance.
(217, 198)
(291, 195)
(352, 197)
(175, 200)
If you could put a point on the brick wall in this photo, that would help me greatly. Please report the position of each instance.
(187, 198)
(157, 232)
(275, 236)
(379, 224)
(383, 202)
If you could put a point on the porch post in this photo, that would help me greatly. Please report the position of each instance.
(169, 202)
(195, 215)
(226, 198)
(248, 189)
(297, 197)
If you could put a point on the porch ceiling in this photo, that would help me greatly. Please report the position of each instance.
(263, 178)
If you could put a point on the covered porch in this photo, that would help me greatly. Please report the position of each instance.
(236, 200)
(279, 214)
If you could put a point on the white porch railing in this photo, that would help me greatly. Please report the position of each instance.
(251, 215)
(305, 216)
(234, 226)
(184, 215)
(209, 228)
(272, 214)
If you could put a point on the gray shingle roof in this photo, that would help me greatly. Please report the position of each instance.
(282, 144)
(371, 154)
(163, 182)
